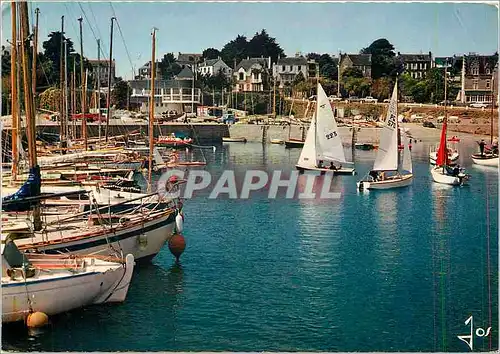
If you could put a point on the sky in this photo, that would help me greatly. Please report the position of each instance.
(442, 28)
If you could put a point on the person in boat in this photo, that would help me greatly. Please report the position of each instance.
(481, 146)
(494, 147)
(374, 175)
(320, 164)
(381, 176)
(332, 166)
(456, 170)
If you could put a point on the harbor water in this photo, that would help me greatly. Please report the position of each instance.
(396, 270)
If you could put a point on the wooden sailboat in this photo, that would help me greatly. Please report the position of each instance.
(387, 172)
(42, 283)
(323, 142)
(489, 158)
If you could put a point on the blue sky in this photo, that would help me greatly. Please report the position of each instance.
(443, 28)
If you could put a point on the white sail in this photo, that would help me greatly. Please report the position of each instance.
(308, 155)
(329, 144)
(387, 156)
(406, 164)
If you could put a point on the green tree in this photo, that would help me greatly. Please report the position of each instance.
(263, 45)
(168, 66)
(383, 58)
(352, 73)
(235, 50)
(121, 93)
(381, 88)
(211, 53)
(5, 62)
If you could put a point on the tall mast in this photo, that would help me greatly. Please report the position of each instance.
(28, 103)
(84, 88)
(73, 89)
(99, 87)
(152, 109)
(66, 108)
(13, 82)
(108, 99)
(35, 50)
(62, 81)
(338, 78)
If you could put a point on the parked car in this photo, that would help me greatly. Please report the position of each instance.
(447, 102)
(370, 99)
(479, 104)
(353, 99)
(428, 124)
(387, 100)
(312, 98)
(334, 98)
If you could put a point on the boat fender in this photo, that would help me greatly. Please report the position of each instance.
(179, 223)
(142, 240)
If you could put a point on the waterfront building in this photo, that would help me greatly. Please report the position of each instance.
(172, 97)
(188, 59)
(213, 67)
(101, 68)
(251, 74)
(416, 65)
(145, 71)
(286, 69)
(363, 62)
(480, 72)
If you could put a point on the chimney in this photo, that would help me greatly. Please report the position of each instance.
(399, 54)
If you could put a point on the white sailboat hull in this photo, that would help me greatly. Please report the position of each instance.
(340, 171)
(143, 240)
(486, 161)
(439, 177)
(389, 183)
(55, 295)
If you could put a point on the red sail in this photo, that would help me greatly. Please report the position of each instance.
(442, 153)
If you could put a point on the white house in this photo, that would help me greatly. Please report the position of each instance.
(286, 69)
(250, 74)
(213, 67)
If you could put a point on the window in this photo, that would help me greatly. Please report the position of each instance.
(242, 76)
(488, 84)
(475, 83)
(283, 68)
(298, 68)
(425, 66)
(475, 70)
(488, 72)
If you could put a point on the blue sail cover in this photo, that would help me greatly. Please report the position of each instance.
(30, 188)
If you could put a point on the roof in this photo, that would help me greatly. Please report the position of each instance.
(146, 84)
(248, 63)
(482, 61)
(292, 61)
(415, 57)
(361, 59)
(189, 58)
(185, 74)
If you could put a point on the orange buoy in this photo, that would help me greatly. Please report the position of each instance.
(177, 245)
(37, 319)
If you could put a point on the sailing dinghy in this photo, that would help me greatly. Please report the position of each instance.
(387, 172)
(323, 142)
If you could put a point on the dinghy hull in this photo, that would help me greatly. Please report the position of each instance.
(390, 183)
(439, 177)
(485, 160)
(341, 171)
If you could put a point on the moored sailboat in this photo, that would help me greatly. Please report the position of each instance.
(323, 142)
(387, 172)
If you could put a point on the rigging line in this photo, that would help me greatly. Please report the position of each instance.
(103, 44)
(488, 257)
(91, 28)
(121, 35)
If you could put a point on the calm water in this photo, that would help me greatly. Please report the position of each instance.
(393, 270)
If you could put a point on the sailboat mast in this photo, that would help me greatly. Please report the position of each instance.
(13, 82)
(66, 108)
(99, 86)
(108, 100)
(35, 49)
(62, 86)
(28, 102)
(152, 110)
(84, 87)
